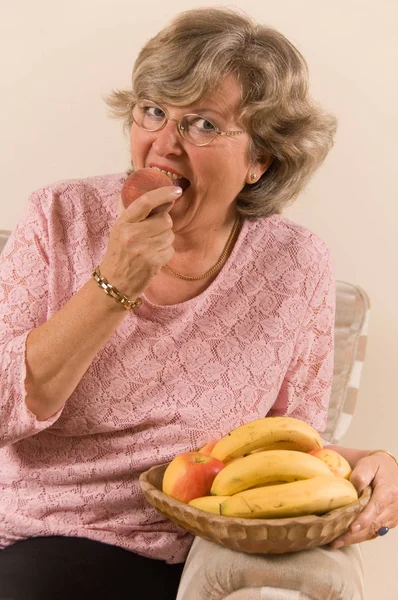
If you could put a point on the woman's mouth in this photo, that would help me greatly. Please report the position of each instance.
(177, 179)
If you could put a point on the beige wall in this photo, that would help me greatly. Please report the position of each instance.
(59, 58)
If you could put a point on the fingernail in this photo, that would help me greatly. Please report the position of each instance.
(177, 190)
(355, 528)
(338, 545)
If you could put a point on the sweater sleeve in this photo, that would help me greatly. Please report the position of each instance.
(305, 390)
(24, 273)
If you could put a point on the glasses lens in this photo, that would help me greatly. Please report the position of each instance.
(198, 130)
(148, 115)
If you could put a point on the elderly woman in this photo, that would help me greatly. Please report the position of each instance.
(234, 322)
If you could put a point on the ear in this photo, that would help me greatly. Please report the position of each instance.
(256, 170)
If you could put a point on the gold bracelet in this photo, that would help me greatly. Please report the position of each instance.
(386, 452)
(114, 292)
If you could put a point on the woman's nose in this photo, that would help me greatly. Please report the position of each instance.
(168, 140)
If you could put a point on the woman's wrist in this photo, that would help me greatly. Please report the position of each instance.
(114, 293)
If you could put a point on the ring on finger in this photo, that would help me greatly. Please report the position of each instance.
(374, 531)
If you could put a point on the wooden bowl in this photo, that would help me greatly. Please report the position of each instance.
(254, 536)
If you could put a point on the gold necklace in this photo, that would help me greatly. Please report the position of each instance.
(218, 264)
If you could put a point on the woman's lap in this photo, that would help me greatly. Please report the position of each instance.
(70, 568)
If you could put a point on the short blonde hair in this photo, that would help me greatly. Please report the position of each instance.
(196, 52)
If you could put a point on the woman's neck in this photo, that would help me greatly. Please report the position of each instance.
(200, 246)
(167, 288)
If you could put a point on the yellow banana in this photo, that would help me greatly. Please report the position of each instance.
(270, 433)
(314, 496)
(270, 466)
(208, 503)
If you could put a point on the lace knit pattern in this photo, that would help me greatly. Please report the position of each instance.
(257, 342)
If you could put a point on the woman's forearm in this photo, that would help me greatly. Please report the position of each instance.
(59, 352)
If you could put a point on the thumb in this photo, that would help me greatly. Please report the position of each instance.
(363, 474)
(120, 208)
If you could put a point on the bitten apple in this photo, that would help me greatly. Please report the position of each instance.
(336, 463)
(190, 475)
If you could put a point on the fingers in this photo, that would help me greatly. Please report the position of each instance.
(369, 533)
(363, 474)
(138, 247)
(376, 514)
(162, 240)
(140, 243)
(157, 222)
(151, 201)
(382, 509)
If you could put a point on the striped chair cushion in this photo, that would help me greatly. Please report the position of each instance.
(3, 238)
(350, 336)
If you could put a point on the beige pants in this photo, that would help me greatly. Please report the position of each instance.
(213, 572)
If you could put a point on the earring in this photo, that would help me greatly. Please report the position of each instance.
(253, 177)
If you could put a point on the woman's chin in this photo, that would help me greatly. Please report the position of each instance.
(179, 215)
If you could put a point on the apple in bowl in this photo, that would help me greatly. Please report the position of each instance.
(190, 475)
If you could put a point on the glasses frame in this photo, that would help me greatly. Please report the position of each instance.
(180, 128)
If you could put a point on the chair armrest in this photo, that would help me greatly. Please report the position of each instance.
(213, 572)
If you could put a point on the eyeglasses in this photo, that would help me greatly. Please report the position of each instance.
(193, 128)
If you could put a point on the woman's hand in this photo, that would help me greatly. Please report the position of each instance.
(381, 472)
(138, 246)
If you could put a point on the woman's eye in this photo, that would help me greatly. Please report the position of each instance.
(153, 111)
(204, 124)
(207, 125)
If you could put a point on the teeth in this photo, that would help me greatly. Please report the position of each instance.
(172, 176)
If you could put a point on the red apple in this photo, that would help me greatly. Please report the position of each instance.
(207, 448)
(190, 475)
(141, 181)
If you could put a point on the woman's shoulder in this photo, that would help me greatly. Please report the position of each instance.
(276, 245)
(280, 231)
(85, 193)
(101, 183)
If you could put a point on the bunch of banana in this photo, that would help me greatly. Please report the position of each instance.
(270, 433)
(269, 473)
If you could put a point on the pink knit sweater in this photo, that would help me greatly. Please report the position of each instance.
(257, 342)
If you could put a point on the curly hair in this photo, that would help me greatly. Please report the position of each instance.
(196, 52)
